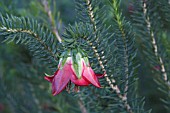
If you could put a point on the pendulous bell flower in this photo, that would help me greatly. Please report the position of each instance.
(73, 68)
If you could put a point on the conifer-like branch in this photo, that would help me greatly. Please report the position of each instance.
(153, 41)
(120, 24)
(51, 19)
(112, 82)
(85, 33)
(38, 38)
(98, 29)
(91, 14)
(10, 30)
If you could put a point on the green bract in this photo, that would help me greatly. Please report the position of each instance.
(77, 64)
(86, 60)
(76, 57)
(64, 58)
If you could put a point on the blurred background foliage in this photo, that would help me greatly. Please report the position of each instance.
(22, 86)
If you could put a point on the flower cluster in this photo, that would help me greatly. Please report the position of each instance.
(74, 67)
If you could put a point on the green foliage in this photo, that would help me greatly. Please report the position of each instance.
(165, 88)
(26, 31)
(118, 48)
(151, 21)
(109, 40)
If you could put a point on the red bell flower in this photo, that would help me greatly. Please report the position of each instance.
(73, 69)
